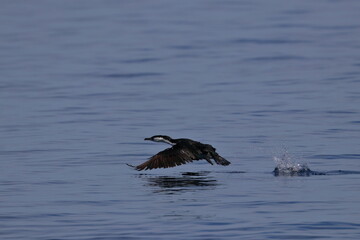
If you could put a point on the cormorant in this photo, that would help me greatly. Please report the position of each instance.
(183, 151)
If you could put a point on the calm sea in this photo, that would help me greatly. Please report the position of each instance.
(82, 83)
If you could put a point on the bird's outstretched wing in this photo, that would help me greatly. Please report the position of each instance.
(170, 157)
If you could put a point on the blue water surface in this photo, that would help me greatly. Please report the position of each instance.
(82, 83)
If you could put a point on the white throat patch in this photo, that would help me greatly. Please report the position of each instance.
(160, 139)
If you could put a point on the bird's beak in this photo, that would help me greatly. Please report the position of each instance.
(147, 139)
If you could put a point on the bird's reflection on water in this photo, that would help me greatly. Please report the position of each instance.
(188, 181)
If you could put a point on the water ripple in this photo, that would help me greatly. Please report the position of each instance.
(132, 75)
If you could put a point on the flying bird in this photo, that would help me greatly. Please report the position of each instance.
(183, 151)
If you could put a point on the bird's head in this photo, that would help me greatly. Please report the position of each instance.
(161, 138)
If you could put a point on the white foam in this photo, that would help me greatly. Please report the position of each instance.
(286, 164)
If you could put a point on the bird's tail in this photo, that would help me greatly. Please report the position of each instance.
(220, 160)
(135, 167)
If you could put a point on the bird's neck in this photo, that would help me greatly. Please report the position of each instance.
(171, 142)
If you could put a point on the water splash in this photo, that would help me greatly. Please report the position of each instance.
(286, 166)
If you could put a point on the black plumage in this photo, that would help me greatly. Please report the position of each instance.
(183, 151)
